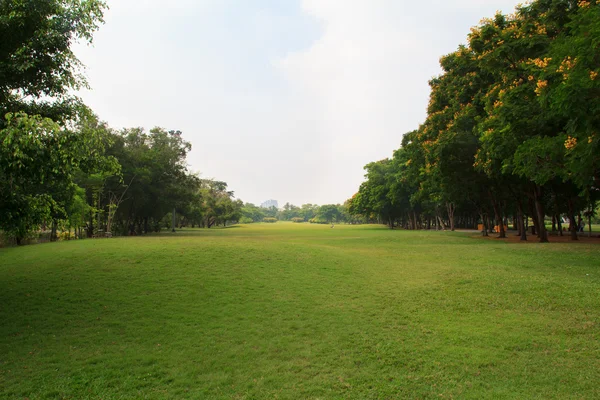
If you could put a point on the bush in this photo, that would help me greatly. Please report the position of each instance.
(246, 220)
(66, 236)
(5, 240)
(270, 220)
(297, 219)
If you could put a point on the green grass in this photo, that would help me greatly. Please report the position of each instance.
(300, 311)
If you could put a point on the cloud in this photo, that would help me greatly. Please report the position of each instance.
(285, 100)
(366, 78)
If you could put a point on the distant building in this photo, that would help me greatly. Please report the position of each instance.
(269, 204)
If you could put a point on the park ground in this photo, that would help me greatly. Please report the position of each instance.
(300, 311)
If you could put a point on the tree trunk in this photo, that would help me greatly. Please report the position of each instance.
(451, 209)
(539, 207)
(442, 224)
(559, 224)
(484, 232)
(90, 227)
(534, 218)
(498, 215)
(53, 235)
(572, 226)
(521, 221)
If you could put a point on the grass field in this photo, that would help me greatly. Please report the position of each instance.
(300, 311)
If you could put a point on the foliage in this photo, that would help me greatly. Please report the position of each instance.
(59, 165)
(39, 161)
(67, 235)
(270, 220)
(38, 69)
(511, 129)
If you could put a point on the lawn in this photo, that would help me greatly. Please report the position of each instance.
(295, 311)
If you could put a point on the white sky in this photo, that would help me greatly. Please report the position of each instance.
(282, 99)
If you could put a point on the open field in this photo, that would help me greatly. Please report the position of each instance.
(300, 311)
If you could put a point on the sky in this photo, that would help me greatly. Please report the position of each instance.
(281, 99)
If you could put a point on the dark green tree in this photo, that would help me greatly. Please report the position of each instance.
(38, 69)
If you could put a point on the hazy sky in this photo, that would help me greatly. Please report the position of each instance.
(282, 99)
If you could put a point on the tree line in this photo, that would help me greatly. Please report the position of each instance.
(312, 213)
(512, 130)
(64, 171)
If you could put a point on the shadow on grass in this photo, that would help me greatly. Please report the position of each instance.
(193, 231)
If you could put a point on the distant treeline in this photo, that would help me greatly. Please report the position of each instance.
(513, 130)
(312, 213)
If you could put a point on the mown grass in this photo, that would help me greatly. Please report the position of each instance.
(300, 311)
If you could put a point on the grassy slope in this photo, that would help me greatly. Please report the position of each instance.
(300, 311)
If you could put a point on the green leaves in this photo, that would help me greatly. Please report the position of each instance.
(38, 163)
(38, 69)
(518, 107)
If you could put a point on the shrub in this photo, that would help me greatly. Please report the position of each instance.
(270, 220)
(297, 219)
(6, 240)
(66, 236)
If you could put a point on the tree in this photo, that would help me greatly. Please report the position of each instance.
(511, 127)
(38, 164)
(328, 213)
(38, 69)
(573, 92)
(252, 213)
(157, 161)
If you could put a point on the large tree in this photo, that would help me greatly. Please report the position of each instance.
(38, 163)
(38, 69)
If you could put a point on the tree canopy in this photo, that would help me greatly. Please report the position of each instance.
(38, 69)
(511, 129)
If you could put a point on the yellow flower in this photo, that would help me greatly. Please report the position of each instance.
(541, 85)
(539, 62)
(566, 65)
(593, 75)
(570, 143)
(583, 4)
